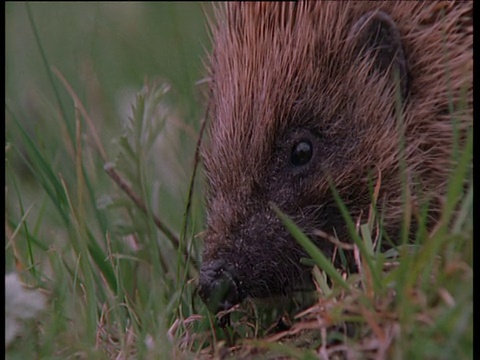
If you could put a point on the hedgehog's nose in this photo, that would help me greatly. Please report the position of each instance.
(218, 286)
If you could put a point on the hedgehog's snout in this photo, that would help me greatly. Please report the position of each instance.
(218, 287)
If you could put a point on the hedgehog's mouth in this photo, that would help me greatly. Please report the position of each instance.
(218, 287)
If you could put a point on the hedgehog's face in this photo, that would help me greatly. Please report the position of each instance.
(316, 133)
(248, 251)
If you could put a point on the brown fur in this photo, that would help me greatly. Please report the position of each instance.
(282, 70)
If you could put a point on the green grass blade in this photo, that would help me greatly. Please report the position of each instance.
(356, 238)
(44, 173)
(321, 260)
(48, 71)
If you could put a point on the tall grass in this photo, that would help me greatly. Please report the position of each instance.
(100, 154)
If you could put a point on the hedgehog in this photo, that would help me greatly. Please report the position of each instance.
(308, 97)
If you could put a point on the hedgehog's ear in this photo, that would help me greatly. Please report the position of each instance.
(376, 34)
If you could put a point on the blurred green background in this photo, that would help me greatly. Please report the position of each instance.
(106, 52)
(117, 43)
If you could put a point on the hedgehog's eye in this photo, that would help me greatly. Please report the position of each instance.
(301, 153)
